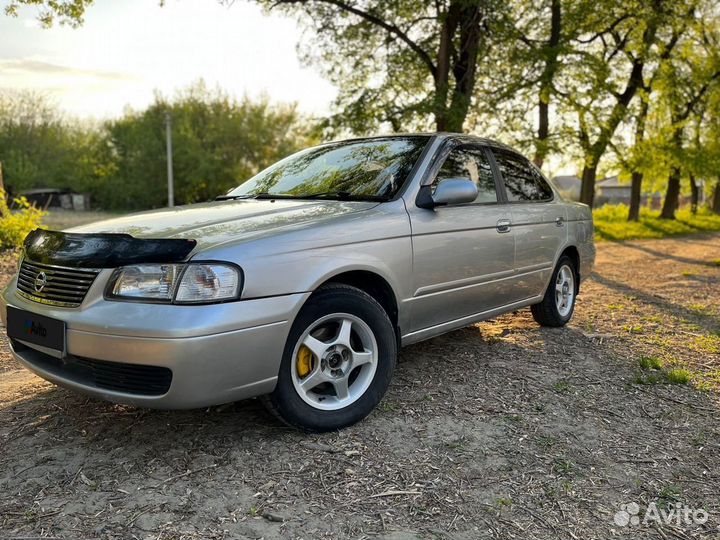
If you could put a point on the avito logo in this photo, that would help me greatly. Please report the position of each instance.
(35, 329)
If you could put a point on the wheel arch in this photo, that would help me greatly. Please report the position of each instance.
(373, 284)
(572, 252)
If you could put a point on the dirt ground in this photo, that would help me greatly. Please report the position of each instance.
(499, 430)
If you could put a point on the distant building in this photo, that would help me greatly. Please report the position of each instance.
(610, 191)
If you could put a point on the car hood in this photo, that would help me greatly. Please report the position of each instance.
(215, 223)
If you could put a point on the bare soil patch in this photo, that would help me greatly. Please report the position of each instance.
(500, 430)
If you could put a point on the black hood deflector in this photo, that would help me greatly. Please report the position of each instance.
(102, 250)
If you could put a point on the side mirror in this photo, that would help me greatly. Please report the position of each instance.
(448, 191)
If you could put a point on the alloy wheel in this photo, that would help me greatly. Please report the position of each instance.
(334, 361)
(564, 290)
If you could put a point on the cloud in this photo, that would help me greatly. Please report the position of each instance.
(28, 66)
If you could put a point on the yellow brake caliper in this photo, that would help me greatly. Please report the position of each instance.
(304, 361)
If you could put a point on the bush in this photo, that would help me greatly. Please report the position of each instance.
(16, 224)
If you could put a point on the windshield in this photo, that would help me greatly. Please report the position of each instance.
(373, 169)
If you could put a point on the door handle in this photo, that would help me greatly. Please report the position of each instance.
(559, 221)
(503, 225)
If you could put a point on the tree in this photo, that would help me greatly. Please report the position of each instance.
(398, 63)
(40, 148)
(532, 45)
(69, 12)
(707, 148)
(611, 76)
(687, 82)
(218, 142)
(640, 149)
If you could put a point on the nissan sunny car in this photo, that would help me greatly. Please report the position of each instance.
(301, 284)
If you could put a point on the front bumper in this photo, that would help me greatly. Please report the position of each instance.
(217, 353)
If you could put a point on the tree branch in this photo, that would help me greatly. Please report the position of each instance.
(377, 21)
(601, 33)
(692, 103)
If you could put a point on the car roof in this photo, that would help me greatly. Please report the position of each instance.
(459, 137)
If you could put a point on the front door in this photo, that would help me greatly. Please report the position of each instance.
(463, 255)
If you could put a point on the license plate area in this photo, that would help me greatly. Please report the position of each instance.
(43, 332)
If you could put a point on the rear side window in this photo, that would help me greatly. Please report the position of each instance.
(470, 163)
(523, 183)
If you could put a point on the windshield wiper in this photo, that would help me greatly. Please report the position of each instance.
(341, 196)
(232, 197)
(262, 195)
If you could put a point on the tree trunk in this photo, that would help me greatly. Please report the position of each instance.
(716, 198)
(635, 196)
(672, 195)
(587, 188)
(637, 176)
(694, 194)
(442, 74)
(546, 79)
(461, 25)
(465, 67)
(541, 147)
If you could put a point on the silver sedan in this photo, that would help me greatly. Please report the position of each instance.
(301, 284)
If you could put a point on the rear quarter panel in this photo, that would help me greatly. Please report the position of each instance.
(581, 233)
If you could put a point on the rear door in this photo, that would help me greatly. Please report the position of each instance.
(462, 254)
(538, 221)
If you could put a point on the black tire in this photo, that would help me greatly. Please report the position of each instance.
(285, 401)
(546, 313)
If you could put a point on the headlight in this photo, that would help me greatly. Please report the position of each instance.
(178, 283)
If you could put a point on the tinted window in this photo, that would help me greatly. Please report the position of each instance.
(361, 168)
(522, 181)
(470, 163)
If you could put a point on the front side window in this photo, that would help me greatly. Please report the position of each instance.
(472, 164)
(371, 169)
(523, 183)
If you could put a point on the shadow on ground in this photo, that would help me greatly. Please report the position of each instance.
(498, 430)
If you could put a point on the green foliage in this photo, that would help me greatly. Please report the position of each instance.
(402, 65)
(16, 224)
(68, 12)
(218, 143)
(611, 223)
(39, 148)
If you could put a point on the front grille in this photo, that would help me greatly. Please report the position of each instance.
(117, 376)
(61, 286)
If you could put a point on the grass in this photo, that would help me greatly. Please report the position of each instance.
(546, 441)
(563, 467)
(650, 363)
(669, 495)
(611, 223)
(652, 373)
(678, 376)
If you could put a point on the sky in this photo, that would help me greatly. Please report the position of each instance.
(127, 50)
